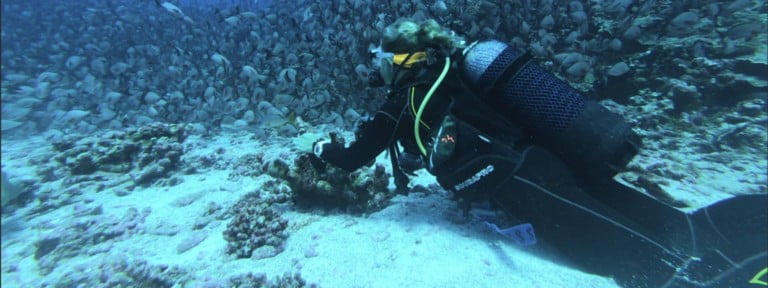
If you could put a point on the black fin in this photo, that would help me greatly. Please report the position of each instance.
(731, 242)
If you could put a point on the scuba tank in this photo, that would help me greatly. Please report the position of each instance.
(581, 132)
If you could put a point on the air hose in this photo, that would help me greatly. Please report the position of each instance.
(424, 105)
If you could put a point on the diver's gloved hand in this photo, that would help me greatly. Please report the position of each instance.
(410, 162)
(317, 163)
(323, 145)
(319, 146)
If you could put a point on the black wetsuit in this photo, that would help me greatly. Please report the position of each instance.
(600, 225)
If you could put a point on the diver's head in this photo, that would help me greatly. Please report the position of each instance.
(407, 46)
(406, 36)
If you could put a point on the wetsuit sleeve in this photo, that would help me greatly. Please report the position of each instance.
(370, 140)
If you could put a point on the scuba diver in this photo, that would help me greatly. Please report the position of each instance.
(493, 126)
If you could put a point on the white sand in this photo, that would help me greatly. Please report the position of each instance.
(418, 241)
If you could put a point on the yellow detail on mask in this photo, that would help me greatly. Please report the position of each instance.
(404, 60)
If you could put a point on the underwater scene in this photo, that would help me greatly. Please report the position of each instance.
(391, 143)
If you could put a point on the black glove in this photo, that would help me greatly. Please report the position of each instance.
(318, 164)
(409, 163)
(321, 145)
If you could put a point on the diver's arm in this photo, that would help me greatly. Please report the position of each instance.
(370, 140)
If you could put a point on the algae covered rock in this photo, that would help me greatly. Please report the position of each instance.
(147, 154)
(315, 183)
(288, 280)
(256, 228)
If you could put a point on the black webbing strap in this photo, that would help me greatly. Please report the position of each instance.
(497, 87)
(401, 180)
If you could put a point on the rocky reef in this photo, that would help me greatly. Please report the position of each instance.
(140, 273)
(147, 154)
(251, 280)
(91, 233)
(124, 273)
(319, 185)
(256, 228)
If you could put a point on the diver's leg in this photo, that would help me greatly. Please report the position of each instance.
(594, 236)
(654, 215)
(732, 242)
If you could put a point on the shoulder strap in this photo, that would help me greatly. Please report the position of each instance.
(510, 72)
(401, 179)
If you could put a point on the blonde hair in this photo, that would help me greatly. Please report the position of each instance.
(408, 36)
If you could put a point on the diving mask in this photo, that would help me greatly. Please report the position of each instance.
(391, 64)
(406, 60)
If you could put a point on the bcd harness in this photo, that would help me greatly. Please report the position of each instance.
(441, 146)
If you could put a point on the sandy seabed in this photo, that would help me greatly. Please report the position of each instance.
(419, 240)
